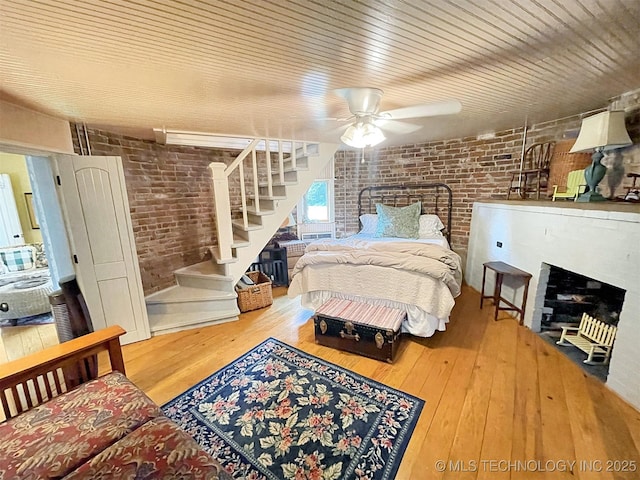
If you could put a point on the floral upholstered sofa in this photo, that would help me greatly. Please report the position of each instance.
(104, 428)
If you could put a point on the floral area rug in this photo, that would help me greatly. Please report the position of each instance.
(279, 413)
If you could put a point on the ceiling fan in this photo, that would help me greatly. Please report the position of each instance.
(368, 123)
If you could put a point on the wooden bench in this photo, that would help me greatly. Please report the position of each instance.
(592, 337)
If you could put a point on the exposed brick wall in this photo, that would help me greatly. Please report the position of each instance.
(170, 198)
(468, 165)
(169, 187)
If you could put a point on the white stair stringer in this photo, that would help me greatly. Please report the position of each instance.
(307, 171)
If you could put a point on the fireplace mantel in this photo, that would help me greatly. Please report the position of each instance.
(598, 240)
(608, 206)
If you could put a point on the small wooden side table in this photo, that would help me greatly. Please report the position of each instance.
(501, 270)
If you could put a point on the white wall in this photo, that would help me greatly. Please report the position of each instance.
(52, 226)
(27, 131)
(600, 244)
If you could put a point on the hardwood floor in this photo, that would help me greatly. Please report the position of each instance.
(496, 394)
(16, 342)
(494, 391)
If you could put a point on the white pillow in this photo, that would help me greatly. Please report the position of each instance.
(430, 226)
(369, 223)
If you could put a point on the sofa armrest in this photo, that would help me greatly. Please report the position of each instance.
(37, 375)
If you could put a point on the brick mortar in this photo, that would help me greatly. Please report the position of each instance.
(171, 202)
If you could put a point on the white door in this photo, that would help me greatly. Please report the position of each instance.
(97, 215)
(10, 228)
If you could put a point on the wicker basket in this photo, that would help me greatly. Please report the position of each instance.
(258, 295)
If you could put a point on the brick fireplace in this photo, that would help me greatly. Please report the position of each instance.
(568, 295)
(597, 241)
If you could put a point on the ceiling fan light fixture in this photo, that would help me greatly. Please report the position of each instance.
(372, 135)
(360, 135)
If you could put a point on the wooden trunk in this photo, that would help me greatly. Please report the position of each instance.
(359, 328)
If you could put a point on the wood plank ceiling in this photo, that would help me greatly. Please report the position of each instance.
(258, 67)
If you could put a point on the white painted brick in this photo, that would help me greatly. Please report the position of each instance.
(595, 243)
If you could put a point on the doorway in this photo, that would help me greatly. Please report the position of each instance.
(37, 239)
(28, 326)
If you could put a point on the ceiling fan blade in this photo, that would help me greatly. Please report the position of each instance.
(336, 119)
(338, 130)
(395, 126)
(446, 107)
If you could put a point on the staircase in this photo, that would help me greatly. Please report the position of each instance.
(271, 176)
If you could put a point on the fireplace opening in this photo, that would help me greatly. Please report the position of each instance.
(567, 297)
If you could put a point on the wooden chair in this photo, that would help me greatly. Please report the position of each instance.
(633, 192)
(575, 186)
(535, 171)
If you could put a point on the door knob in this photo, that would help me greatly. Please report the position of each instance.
(4, 307)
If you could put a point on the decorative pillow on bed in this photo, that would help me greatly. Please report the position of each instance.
(369, 223)
(401, 222)
(41, 257)
(18, 258)
(430, 226)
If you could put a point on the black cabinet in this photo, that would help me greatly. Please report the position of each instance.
(273, 263)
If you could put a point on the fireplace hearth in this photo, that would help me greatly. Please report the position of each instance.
(568, 295)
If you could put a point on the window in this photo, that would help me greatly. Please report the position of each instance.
(316, 206)
(316, 210)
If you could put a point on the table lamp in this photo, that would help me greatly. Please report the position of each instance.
(600, 132)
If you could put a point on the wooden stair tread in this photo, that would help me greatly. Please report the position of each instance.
(251, 226)
(253, 211)
(268, 197)
(179, 293)
(278, 184)
(203, 269)
(239, 242)
(167, 322)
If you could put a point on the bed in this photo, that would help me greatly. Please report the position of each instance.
(25, 282)
(421, 276)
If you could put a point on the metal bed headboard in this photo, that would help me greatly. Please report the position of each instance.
(436, 198)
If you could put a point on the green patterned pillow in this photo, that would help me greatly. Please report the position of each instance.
(402, 222)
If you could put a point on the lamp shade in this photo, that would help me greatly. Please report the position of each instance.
(353, 136)
(360, 135)
(288, 222)
(372, 135)
(604, 130)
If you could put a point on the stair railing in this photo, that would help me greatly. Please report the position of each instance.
(248, 158)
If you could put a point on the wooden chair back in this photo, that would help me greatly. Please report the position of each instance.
(575, 186)
(36, 378)
(538, 156)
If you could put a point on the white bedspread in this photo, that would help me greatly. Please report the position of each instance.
(421, 278)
